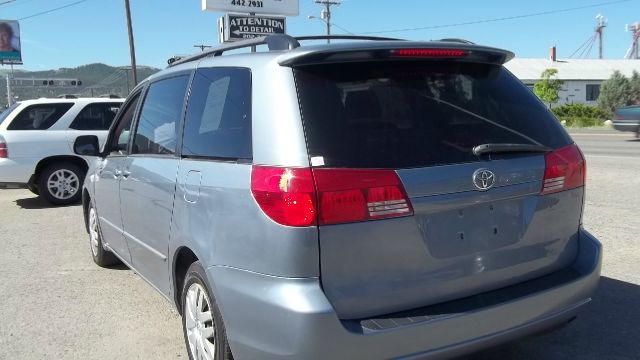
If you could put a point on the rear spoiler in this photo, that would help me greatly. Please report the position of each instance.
(394, 50)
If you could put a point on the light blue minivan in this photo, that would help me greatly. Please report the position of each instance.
(368, 199)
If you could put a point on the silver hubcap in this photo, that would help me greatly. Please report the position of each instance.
(93, 231)
(199, 323)
(63, 184)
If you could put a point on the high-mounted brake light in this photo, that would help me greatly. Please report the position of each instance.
(3, 151)
(429, 53)
(306, 197)
(565, 169)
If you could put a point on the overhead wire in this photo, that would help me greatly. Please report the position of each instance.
(483, 21)
(52, 10)
(588, 53)
(591, 38)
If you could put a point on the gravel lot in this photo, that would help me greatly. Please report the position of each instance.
(56, 304)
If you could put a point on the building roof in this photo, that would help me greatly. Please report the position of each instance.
(572, 69)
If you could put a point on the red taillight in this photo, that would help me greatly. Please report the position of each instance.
(565, 169)
(288, 195)
(429, 53)
(3, 151)
(350, 195)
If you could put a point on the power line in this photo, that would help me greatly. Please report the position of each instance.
(550, 12)
(52, 10)
(15, 3)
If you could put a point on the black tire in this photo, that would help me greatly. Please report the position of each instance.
(196, 276)
(100, 255)
(66, 197)
(31, 186)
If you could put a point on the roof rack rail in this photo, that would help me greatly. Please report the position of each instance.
(274, 42)
(345, 37)
(456, 40)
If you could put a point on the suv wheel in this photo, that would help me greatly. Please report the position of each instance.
(204, 331)
(100, 256)
(60, 184)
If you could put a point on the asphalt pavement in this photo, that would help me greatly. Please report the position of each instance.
(56, 304)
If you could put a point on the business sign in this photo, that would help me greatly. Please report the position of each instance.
(241, 27)
(270, 7)
(10, 52)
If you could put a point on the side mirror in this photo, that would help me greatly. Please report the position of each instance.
(87, 145)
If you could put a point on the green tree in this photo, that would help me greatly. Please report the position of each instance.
(616, 91)
(547, 89)
(635, 87)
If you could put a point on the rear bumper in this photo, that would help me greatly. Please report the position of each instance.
(16, 171)
(269, 317)
(627, 125)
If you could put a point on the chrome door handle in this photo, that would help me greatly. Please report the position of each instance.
(117, 174)
(125, 174)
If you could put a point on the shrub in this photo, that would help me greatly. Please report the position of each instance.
(580, 111)
(581, 121)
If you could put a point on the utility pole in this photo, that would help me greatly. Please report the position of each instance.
(602, 23)
(634, 51)
(202, 46)
(8, 91)
(132, 49)
(326, 13)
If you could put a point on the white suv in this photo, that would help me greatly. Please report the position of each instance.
(36, 140)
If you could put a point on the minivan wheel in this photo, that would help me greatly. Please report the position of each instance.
(101, 257)
(204, 331)
(60, 183)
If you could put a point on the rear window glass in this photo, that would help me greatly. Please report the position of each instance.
(402, 115)
(39, 117)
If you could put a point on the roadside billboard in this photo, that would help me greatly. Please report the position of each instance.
(270, 7)
(10, 51)
(241, 27)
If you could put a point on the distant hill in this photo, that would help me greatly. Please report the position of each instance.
(97, 79)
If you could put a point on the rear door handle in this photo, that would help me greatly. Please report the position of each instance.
(117, 174)
(125, 174)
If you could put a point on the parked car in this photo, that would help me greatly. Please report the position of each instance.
(359, 200)
(36, 144)
(627, 118)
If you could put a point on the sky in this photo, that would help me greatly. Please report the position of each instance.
(92, 31)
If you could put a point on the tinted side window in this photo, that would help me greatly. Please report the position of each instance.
(97, 116)
(157, 127)
(122, 132)
(218, 122)
(39, 117)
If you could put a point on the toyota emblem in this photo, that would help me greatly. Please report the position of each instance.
(484, 179)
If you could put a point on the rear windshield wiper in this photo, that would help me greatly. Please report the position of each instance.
(508, 148)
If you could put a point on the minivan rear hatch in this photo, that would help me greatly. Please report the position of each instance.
(478, 220)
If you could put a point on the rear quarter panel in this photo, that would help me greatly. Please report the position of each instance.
(27, 147)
